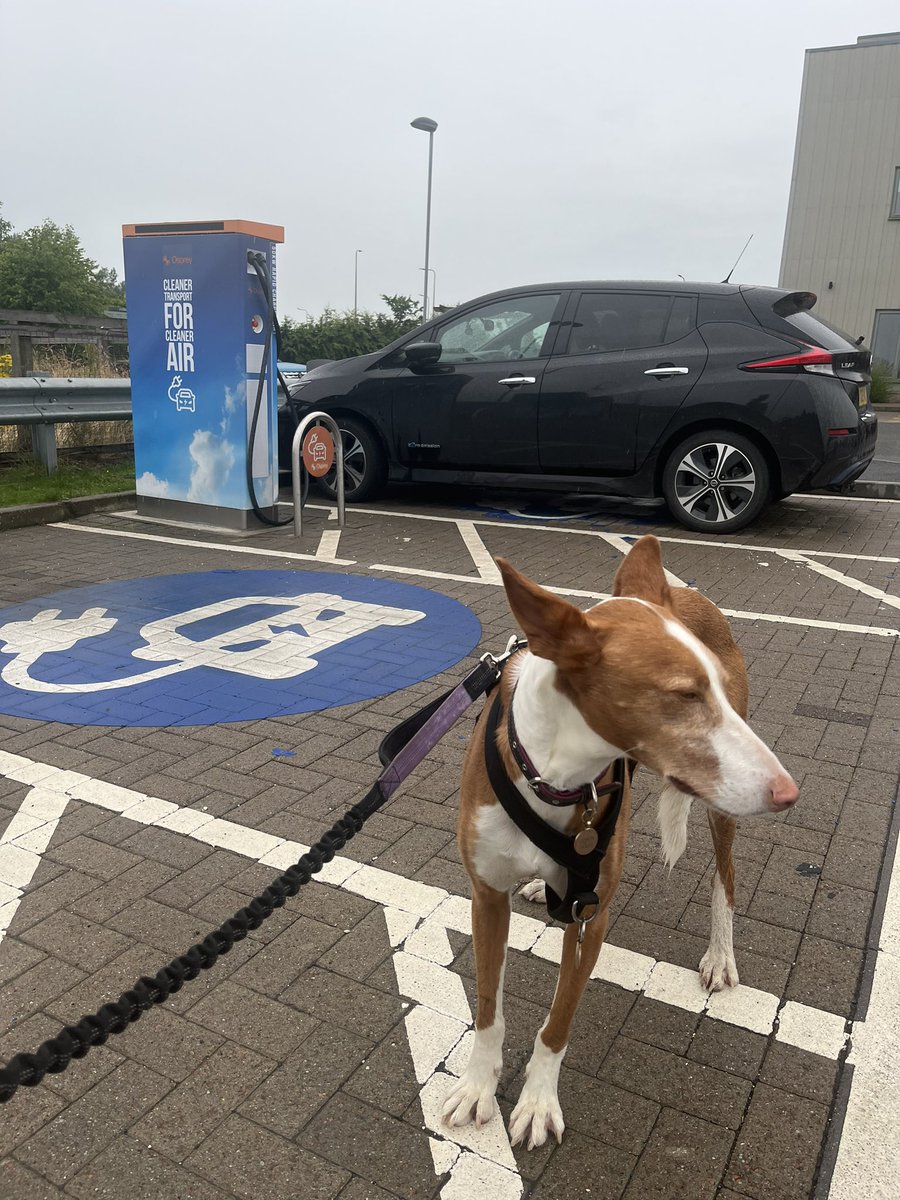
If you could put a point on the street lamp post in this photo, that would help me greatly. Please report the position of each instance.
(356, 280)
(433, 284)
(429, 126)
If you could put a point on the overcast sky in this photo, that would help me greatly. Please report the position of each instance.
(577, 138)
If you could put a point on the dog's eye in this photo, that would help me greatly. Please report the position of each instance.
(688, 694)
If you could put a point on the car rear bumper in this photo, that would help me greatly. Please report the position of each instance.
(846, 458)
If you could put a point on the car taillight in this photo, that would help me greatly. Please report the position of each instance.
(810, 358)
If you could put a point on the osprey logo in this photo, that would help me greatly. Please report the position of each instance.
(224, 645)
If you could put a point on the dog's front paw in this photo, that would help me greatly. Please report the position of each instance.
(718, 970)
(537, 1114)
(471, 1096)
(535, 891)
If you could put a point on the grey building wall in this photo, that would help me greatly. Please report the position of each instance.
(840, 241)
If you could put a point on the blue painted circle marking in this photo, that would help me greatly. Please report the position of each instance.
(218, 646)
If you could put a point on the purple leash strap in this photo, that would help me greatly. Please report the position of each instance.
(403, 748)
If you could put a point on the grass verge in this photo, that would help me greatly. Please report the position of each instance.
(28, 482)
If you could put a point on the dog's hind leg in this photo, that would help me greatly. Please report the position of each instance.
(473, 1094)
(717, 967)
(538, 1111)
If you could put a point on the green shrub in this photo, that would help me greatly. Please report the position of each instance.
(344, 335)
(884, 382)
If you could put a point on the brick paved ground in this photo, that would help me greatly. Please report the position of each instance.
(287, 1071)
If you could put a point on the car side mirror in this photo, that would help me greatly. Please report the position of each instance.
(423, 354)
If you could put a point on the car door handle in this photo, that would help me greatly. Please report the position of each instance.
(518, 380)
(662, 372)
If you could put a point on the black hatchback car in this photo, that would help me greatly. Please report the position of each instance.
(718, 397)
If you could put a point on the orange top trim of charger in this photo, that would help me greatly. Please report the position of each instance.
(272, 233)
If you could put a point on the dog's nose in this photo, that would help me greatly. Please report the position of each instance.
(783, 793)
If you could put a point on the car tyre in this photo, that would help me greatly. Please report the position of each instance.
(716, 481)
(365, 465)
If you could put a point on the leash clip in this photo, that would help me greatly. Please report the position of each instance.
(581, 921)
(497, 662)
(585, 900)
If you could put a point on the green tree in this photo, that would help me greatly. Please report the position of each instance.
(45, 269)
(344, 335)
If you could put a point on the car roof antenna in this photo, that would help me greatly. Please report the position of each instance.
(727, 278)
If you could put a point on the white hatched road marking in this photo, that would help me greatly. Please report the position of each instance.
(869, 1147)
(23, 842)
(857, 585)
(417, 917)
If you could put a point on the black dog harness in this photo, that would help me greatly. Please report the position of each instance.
(582, 866)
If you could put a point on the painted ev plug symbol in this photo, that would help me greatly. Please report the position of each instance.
(182, 397)
(47, 632)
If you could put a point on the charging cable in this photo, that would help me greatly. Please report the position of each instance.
(257, 261)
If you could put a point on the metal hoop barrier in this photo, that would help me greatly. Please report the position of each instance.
(316, 418)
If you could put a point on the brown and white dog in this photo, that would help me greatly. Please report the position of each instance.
(652, 674)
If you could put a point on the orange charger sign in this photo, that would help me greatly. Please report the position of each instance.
(318, 451)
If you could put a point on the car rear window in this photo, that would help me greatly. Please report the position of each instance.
(822, 332)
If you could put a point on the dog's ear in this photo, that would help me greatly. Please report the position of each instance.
(641, 574)
(555, 628)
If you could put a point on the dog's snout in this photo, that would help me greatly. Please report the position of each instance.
(782, 793)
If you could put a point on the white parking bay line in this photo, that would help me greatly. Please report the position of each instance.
(227, 547)
(623, 546)
(738, 614)
(718, 544)
(803, 497)
(487, 577)
(481, 556)
(328, 545)
(749, 1008)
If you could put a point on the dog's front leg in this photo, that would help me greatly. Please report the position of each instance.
(473, 1094)
(717, 966)
(538, 1111)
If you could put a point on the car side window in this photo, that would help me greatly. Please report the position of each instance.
(502, 331)
(607, 321)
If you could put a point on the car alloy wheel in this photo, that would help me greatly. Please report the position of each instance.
(364, 463)
(716, 481)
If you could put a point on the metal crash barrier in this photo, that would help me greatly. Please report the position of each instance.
(328, 423)
(44, 403)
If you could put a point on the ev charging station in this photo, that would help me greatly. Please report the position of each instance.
(201, 342)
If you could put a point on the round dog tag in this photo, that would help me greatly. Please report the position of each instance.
(586, 840)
